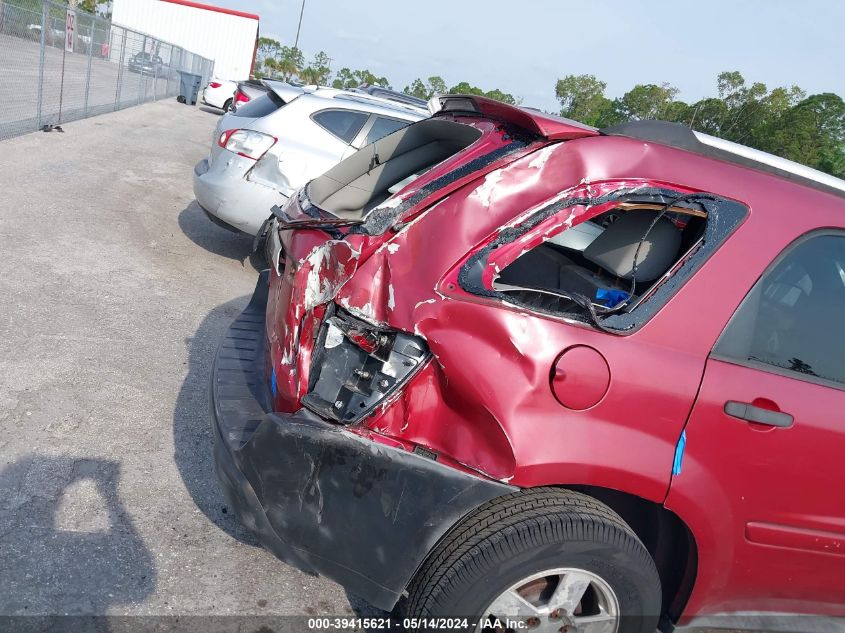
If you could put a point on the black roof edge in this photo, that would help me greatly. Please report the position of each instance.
(680, 136)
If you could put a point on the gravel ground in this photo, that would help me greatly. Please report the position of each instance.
(115, 292)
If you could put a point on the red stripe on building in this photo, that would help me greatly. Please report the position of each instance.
(208, 7)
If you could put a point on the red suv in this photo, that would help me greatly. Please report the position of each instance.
(537, 376)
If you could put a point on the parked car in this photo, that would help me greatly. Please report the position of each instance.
(54, 36)
(248, 90)
(219, 93)
(146, 64)
(563, 379)
(267, 148)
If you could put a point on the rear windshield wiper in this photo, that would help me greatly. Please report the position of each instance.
(285, 222)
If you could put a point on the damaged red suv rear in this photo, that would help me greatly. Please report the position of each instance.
(537, 376)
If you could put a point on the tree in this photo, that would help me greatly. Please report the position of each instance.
(417, 89)
(343, 79)
(678, 111)
(436, 85)
(646, 101)
(267, 46)
(582, 98)
(708, 115)
(465, 88)
(346, 79)
(289, 61)
(812, 132)
(783, 121)
(504, 97)
(426, 89)
(271, 66)
(266, 51)
(741, 110)
(366, 77)
(318, 71)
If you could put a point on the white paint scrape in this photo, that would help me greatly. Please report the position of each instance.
(541, 157)
(419, 303)
(317, 289)
(484, 191)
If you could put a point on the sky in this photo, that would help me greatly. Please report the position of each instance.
(523, 47)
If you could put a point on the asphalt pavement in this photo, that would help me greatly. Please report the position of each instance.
(115, 290)
(67, 93)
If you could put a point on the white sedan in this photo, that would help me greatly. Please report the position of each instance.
(219, 93)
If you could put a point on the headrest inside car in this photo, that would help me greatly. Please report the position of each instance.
(615, 248)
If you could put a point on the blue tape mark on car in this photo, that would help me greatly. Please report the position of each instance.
(679, 453)
(273, 387)
(610, 297)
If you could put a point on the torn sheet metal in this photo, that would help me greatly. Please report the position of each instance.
(579, 204)
(484, 396)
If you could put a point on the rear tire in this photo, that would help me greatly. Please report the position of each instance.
(532, 543)
(227, 105)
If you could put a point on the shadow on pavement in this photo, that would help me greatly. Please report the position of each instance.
(211, 110)
(67, 544)
(204, 233)
(193, 442)
(192, 437)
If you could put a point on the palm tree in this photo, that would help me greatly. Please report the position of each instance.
(310, 75)
(290, 62)
(270, 65)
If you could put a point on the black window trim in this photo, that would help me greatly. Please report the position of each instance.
(358, 141)
(767, 367)
(342, 140)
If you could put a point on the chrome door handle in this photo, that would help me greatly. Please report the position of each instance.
(758, 415)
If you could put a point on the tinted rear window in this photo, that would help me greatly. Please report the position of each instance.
(344, 124)
(382, 127)
(261, 106)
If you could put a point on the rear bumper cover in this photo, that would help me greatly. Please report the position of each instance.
(223, 190)
(319, 497)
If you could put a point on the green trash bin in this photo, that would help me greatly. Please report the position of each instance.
(189, 87)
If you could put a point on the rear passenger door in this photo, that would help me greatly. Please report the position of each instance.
(765, 443)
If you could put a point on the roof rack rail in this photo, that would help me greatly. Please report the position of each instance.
(382, 101)
(680, 136)
(388, 93)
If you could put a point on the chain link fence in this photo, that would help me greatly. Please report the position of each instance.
(111, 67)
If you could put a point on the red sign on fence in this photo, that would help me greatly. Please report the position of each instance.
(70, 30)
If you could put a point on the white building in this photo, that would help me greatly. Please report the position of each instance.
(224, 35)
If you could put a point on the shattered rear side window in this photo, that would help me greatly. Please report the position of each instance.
(614, 269)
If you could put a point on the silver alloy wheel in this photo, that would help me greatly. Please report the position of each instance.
(563, 600)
